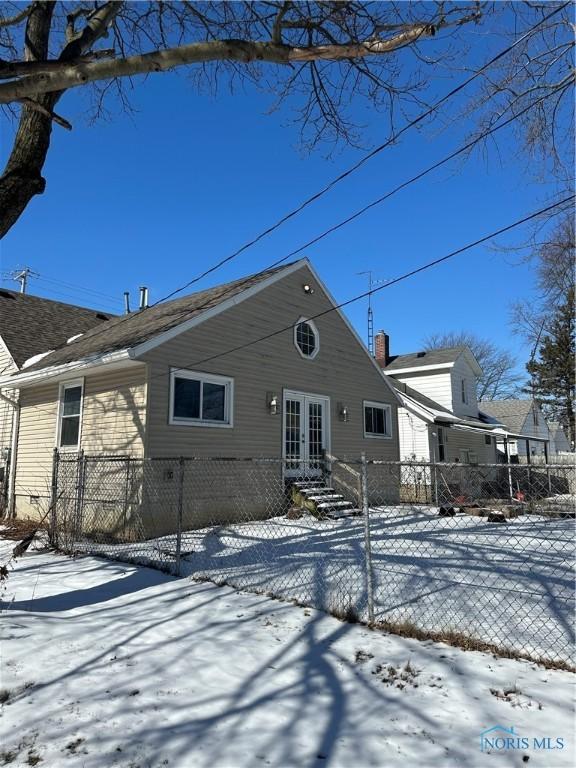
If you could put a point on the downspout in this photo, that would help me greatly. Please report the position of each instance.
(11, 506)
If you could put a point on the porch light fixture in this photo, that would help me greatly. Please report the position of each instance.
(272, 403)
(308, 289)
(343, 412)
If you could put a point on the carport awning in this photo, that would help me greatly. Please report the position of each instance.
(484, 431)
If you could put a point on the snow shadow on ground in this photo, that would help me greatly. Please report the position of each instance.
(180, 674)
(511, 585)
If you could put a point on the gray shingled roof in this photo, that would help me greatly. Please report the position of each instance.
(425, 357)
(129, 330)
(30, 325)
(511, 413)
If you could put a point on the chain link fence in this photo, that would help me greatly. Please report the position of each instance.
(481, 555)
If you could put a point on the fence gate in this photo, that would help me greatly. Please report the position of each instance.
(96, 497)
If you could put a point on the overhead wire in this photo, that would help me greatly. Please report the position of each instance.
(462, 149)
(345, 174)
(424, 267)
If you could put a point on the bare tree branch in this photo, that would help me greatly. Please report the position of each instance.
(64, 75)
(17, 18)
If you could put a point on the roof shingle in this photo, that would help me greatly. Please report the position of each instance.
(129, 330)
(512, 413)
(424, 358)
(30, 325)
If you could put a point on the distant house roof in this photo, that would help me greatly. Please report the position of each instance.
(511, 413)
(130, 330)
(30, 325)
(429, 358)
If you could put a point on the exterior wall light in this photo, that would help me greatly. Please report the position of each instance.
(272, 402)
(343, 412)
(308, 289)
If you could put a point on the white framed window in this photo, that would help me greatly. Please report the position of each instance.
(70, 415)
(306, 338)
(377, 419)
(441, 444)
(464, 390)
(201, 399)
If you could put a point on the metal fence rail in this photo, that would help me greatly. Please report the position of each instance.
(482, 552)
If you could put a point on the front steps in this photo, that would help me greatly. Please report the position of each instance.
(322, 501)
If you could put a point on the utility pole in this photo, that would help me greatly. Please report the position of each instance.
(371, 284)
(21, 276)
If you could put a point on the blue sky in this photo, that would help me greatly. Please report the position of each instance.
(157, 197)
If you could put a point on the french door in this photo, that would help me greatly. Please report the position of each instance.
(306, 433)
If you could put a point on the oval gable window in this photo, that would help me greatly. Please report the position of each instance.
(306, 338)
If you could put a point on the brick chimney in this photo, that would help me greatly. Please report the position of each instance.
(382, 348)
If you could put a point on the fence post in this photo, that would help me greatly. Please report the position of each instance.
(80, 480)
(179, 516)
(53, 525)
(367, 544)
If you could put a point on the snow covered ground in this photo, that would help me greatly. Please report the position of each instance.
(108, 664)
(510, 584)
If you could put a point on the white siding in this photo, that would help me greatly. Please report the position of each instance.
(463, 371)
(414, 437)
(437, 385)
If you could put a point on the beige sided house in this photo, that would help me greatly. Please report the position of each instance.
(30, 325)
(264, 366)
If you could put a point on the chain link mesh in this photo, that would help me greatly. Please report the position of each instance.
(482, 552)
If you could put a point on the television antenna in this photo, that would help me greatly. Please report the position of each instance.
(372, 283)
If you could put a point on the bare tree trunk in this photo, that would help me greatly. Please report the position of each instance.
(22, 177)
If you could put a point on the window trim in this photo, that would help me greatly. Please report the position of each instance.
(386, 407)
(210, 378)
(441, 443)
(314, 327)
(464, 391)
(64, 385)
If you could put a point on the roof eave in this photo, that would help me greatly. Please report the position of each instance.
(112, 360)
(418, 368)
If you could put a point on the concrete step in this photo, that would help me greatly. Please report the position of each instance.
(325, 496)
(317, 490)
(330, 505)
(339, 514)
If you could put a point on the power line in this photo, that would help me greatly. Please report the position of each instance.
(76, 288)
(98, 294)
(412, 180)
(373, 203)
(361, 162)
(381, 199)
(358, 297)
(365, 159)
(394, 281)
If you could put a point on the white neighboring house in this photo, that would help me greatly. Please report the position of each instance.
(526, 428)
(439, 419)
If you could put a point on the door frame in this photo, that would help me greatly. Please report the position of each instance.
(326, 433)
